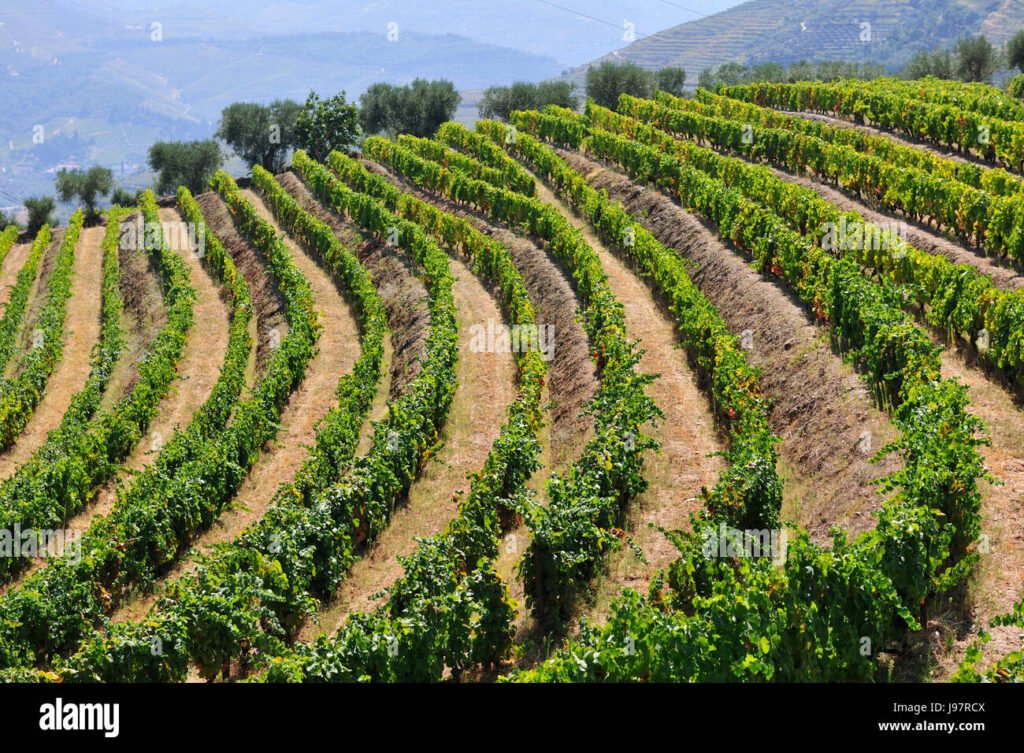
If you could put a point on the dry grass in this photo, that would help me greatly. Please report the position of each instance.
(82, 333)
(485, 386)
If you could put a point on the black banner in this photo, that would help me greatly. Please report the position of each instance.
(751, 714)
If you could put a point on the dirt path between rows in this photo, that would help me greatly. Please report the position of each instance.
(198, 370)
(485, 387)
(82, 333)
(143, 315)
(1004, 273)
(12, 265)
(820, 408)
(37, 298)
(999, 580)
(337, 351)
(687, 435)
(921, 146)
(572, 376)
(403, 293)
(571, 379)
(405, 300)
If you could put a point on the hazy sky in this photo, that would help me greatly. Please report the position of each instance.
(571, 31)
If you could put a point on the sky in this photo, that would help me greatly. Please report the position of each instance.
(570, 31)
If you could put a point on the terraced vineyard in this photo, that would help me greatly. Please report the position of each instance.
(709, 389)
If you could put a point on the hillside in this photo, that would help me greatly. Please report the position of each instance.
(791, 30)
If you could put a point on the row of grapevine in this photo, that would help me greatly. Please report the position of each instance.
(64, 475)
(20, 395)
(433, 150)
(516, 179)
(449, 610)
(810, 621)
(749, 492)
(572, 533)
(17, 299)
(955, 297)
(1016, 87)
(975, 96)
(105, 355)
(8, 238)
(323, 539)
(994, 222)
(994, 180)
(211, 617)
(180, 493)
(996, 140)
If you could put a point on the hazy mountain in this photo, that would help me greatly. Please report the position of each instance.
(86, 85)
(570, 31)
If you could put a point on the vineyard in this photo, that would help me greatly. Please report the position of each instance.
(723, 388)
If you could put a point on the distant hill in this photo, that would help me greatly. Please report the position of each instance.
(551, 30)
(887, 32)
(101, 90)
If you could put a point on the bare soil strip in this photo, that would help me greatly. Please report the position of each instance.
(337, 351)
(687, 435)
(821, 409)
(999, 581)
(922, 146)
(571, 380)
(405, 300)
(485, 386)
(1005, 274)
(143, 315)
(572, 376)
(12, 265)
(82, 333)
(268, 304)
(404, 295)
(198, 370)
(36, 302)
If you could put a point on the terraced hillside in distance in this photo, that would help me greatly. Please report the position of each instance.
(884, 32)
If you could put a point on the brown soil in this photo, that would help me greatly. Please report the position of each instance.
(999, 581)
(1004, 273)
(814, 393)
(12, 265)
(143, 315)
(571, 380)
(36, 301)
(268, 304)
(82, 332)
(687, 435)
(485, 386)
(198, 370)
(403, 293)
(572, 376)
(337, 351)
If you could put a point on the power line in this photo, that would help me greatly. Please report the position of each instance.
(592, 18)
(683, 7)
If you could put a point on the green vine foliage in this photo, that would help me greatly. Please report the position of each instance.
(827, 612)
(955, 297)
